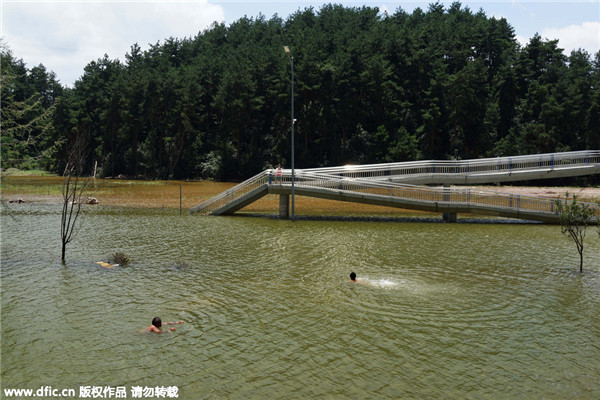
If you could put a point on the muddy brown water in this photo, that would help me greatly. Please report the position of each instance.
(457, 311)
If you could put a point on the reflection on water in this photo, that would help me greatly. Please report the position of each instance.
(440, 310)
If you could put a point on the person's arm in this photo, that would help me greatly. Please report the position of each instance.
(173, 323)
(154, 329)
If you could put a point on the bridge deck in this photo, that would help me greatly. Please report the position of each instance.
(380, 184)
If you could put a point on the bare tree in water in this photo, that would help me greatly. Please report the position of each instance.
(74, 189)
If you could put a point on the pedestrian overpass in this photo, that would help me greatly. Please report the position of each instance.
(403, 185)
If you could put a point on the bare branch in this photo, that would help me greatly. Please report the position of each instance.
(74, 188)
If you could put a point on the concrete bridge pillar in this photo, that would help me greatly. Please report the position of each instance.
(448, 216)
(284, 206)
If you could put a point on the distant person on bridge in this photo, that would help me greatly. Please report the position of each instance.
(157, 323)
(278, 174)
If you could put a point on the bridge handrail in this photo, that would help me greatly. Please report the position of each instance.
(360, 178)
(466, 196)
(232, 194)
(468, 167)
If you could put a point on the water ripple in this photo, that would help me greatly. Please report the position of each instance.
(440, 310)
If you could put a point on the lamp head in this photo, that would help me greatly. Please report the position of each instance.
(287, 50)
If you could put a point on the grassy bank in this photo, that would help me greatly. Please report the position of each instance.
(166, 194)
(18, 172)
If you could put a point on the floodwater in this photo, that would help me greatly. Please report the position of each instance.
(454, 311)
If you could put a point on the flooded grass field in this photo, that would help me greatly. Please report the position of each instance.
(456, 311)
(166, 194)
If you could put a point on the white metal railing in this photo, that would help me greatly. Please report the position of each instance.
(467, 197)
(232, 194)
(466, 167)
(364, 179)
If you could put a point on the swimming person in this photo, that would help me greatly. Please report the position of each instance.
(157, 323)
(352, 277)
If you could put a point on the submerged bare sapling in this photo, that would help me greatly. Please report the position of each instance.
(574, 220)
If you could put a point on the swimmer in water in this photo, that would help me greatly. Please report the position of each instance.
(352, 277)
(157, 323)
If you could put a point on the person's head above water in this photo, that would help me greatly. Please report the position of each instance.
(157, 323)
(352, 276)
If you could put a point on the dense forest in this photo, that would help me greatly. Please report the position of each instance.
(446, 83)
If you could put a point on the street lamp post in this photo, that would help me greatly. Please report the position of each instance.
(287, 51)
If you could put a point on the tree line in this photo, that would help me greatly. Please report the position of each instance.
(441, 83)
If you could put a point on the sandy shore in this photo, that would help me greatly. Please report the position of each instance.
(584, 194)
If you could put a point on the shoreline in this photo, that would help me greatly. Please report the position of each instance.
(166, 194)
(589, 194)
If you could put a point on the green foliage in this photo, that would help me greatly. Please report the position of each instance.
(574, 220)
(211, 165)
(369, 87)
(405, 147)
(27, 105)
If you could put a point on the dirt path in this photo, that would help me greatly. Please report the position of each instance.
(585, 194)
